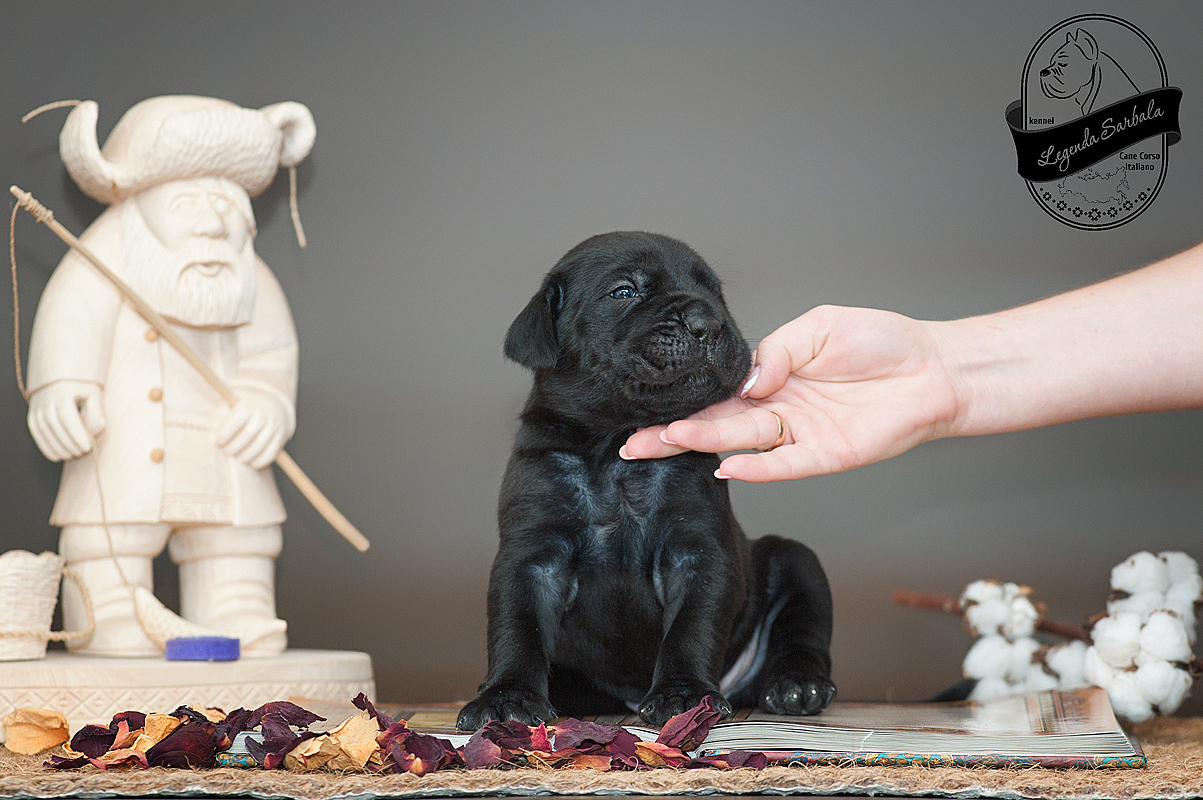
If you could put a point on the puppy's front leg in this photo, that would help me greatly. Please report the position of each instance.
(528, 590)
(696, 581)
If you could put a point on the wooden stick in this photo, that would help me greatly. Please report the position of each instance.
(307, 487)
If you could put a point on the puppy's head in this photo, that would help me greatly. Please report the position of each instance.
(631, 327)
(1071, 67)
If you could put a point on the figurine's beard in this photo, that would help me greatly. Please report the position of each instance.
(204, 283)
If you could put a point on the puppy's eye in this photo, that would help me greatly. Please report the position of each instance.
(624, 293)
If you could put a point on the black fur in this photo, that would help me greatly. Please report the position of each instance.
(629, 584)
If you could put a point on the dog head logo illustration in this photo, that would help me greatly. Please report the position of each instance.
(1079, 71)
(1094, 123)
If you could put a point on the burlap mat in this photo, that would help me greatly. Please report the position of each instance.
(1174, 748)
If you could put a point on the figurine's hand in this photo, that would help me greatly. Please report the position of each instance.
(255, 429)
(65, 417)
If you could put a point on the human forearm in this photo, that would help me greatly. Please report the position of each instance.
(1130, 344)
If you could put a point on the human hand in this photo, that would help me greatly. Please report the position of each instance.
(255, 428)
(65, 417)
(851, 386)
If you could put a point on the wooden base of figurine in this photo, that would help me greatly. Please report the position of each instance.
(91, 689)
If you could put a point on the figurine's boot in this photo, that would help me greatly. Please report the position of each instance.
(111, 564)
(227, 583)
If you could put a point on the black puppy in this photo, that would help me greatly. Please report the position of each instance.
(629, 584)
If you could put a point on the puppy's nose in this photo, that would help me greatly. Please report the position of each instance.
(703, 325)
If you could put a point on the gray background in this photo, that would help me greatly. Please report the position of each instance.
(850, 153)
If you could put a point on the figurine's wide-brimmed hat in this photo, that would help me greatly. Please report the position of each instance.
(176, 137)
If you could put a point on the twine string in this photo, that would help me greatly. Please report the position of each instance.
(294, 208)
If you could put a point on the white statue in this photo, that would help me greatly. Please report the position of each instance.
(153, 456)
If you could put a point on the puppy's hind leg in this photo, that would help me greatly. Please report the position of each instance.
(797, 668)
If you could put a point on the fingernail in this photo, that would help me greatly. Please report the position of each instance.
(664, 438)
(750, 382)
(718, 473)
(624, 455)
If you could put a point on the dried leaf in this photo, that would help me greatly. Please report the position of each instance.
(34, 730)
(688, 730)
(356, 742)
(158, 727)
(311, 754)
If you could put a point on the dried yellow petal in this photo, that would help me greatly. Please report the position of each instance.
(34, 730)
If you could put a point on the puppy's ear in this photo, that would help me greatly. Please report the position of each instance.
(531, 340)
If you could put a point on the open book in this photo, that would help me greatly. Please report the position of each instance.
(1058, 728)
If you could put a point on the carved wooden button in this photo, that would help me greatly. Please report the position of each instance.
(156, 394)
(156, 455)
(151, 334)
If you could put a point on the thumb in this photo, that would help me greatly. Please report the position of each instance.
(93, 414)
(786, 350)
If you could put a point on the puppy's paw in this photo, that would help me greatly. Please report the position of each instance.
(501, 703)
(797, 694)
(661, 705)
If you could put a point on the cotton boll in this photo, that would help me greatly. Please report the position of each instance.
(1164, 636)
(990, 657)
(1127, 700)
(982, 592)
(1020, 659)
(1021, 619)
(1141, 603)
(984, 607)
(986, 619)
(1179, 566)
(1163, 685)
(1142, 572)
(1068, 661)
(988, 688)
(1117, 639)
(1038, 679)
(1097, 671)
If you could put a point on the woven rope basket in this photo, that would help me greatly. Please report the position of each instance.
(28, 593)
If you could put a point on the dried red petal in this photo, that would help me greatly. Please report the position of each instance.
(420, 754)
(688, 730)
(93, 740)
(395, 731)
(121, 758)
(59, 762)
(514, 735)
(589, 737)
(480, 751)
(291, 713)
(189, 745)
(135, 719)
(732, 760)
(362, 702)
(655, 754)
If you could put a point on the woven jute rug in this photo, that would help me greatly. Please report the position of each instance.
(1174, 748)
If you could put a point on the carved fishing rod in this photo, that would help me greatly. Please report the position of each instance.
(307, 487)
